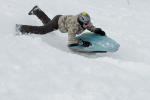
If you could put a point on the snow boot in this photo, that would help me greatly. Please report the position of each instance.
(33, 10)
(18, 29)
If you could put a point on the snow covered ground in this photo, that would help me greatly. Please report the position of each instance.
(38, 67)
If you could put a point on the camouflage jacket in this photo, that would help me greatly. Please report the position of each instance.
(69, 24)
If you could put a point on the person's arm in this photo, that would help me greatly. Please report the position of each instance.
(72, 38)
(92, 28)
(74, 42)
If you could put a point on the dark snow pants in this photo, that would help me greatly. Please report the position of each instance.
(49, 25)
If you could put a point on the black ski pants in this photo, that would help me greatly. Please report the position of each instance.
(48, 24)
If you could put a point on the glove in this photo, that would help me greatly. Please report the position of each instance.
(99, 31)
(84, 43)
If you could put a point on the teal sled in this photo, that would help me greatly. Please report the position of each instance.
(99, 43)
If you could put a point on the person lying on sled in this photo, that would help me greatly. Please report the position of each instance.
(71, 24)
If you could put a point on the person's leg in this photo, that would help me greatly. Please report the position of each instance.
(54, 22)
(35, 29)
(51, 26)
(40, 14)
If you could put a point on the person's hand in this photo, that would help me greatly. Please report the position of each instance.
(81, 43)
(84, 43)
(99, 31)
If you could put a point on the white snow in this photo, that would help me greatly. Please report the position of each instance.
(41, 67)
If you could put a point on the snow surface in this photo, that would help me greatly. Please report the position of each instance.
(41, 67)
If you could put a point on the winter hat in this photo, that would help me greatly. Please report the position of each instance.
(84, 18)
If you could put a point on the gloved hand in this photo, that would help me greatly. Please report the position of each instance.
(99, 31)
(84, 43)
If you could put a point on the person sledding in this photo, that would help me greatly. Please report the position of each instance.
(71, 24)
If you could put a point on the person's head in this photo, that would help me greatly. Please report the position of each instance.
(84, 19)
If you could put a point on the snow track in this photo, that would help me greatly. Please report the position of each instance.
(41, 67)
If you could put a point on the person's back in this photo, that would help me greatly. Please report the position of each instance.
(67, 21)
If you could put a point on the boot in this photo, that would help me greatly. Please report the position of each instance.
(18, 29)
(33, 10)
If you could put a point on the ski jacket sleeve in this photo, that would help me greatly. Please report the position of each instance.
(91, 27)
(72, 36)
